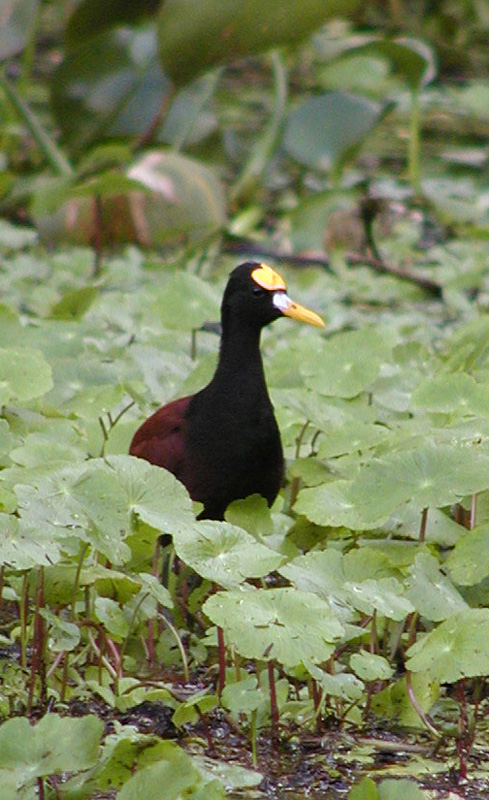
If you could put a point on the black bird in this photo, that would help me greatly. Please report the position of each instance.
(223, 443)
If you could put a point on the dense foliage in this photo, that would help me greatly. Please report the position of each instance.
(355, 157)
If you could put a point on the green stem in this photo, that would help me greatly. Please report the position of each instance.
(55, 157)
(414, 146)
(264, 148)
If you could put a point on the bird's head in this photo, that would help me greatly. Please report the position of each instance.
(257, 293)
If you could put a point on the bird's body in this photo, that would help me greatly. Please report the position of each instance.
(223, 443)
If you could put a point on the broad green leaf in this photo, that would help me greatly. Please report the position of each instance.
(224, 553)
(243, 696)
(384, 595)
(458, 648)
(187, 302)
(432, 594)
(348, 364)
(393, 702)
(232, 776)
(333, 505)
(432, 475)
(54, 744)
(340, 684)
(468, 563)
(24, 547)
(453, 393)
(18, 25)
(351, 437)
(195, 35)
(63, 635)
(326, 130)
(365, 790)
(24, 375)
(403, 789)
(286, 625)
(177, 775)
(370, 667)
(124, 485)
(110, 614)
(252, 514)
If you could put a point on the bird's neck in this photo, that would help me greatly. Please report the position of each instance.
(240, 355)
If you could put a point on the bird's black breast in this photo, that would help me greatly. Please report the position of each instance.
(234, 443)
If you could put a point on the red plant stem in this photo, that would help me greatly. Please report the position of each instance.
(40, 788)
(273, 698)
(38, 639)
(222, 661)
(422, 529)
(465, 738)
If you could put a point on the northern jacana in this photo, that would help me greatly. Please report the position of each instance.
(223, 443)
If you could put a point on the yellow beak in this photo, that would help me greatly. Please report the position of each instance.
(282, 301)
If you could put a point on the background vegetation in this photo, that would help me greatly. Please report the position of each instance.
(146, 148)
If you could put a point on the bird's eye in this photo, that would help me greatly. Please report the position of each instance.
(257, 290)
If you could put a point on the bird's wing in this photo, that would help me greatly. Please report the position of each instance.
(161, 439)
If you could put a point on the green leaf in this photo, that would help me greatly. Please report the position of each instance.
(63, 635)
(24, 375)
(176, 774)
(432, 594)
(458, 648)
(53, 745)
(457, 393)
(187, 302)
(403, 789)
(23, 546)
(393, 702)
(384, 595)
(286, 625)
(332, 504)
(195, 35)
(468, 563)
(110, 614)
(326, 130)
(74, 303)
(348, 364)
(243, 696)
(252, 514)
(365, 790)
(433, 475)
(224, 553)
(370, 667)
